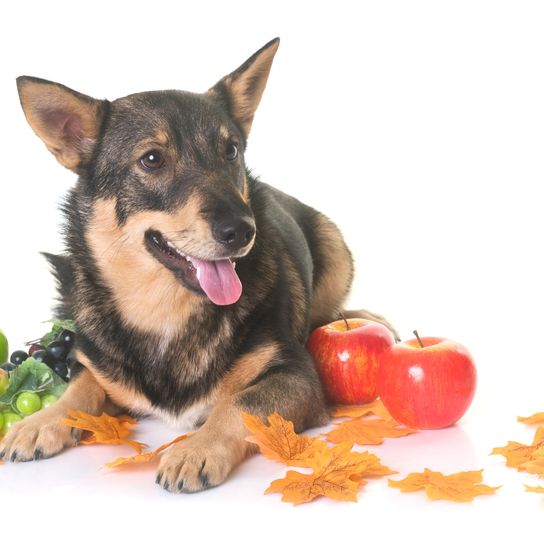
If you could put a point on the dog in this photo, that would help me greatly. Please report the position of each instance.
(193, 285)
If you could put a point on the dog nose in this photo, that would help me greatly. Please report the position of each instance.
(234, 233)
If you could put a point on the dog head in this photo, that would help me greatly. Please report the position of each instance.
(169, 165)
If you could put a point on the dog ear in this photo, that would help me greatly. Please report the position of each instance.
(242, 89)
(68, 122)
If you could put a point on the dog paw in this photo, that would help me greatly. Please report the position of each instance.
(186, 467)
(38, 436)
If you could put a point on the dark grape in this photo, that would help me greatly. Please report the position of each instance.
(33, 348)
(68, 337)
(43, 357)
(57, 350)
(17, 357)
(8, 367)
(61, 369)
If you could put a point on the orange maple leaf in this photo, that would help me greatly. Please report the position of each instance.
(279, 441)
(534, 489)
(535, 419)
(337, 474)
(143, 457)
(375, 408)
(535, 465)
(367, 431)
(517, 455)
(104, 429)
(458, 487)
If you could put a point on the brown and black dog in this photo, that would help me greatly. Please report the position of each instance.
(192, 284)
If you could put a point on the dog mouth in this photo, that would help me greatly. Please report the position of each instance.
(216, 278)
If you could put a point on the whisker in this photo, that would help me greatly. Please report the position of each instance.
(116, 245)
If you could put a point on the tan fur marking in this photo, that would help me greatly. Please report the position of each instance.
(146, 294)
(247, 368)
(333, 286)
(160, 139)
(224, 132)
(117, 392)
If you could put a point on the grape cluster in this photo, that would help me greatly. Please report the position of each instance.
(27, 403)
(58, 355)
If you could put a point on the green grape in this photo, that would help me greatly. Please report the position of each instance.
(1, 422)
(27, 403)
(9, 419)
(48, 400)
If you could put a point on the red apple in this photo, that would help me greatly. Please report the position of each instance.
(427, 387)
(346, 358)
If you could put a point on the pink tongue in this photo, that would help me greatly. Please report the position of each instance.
(218, 280)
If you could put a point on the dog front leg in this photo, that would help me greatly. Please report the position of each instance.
(288, 386)
(40, 435)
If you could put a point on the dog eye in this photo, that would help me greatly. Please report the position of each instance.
(153, 160)
(231, 152)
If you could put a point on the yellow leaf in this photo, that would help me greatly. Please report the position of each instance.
(458, 487)
(534, 466)
(517, 455)
(535, 419)
(367, 431)
(337, 474)
(143, 457)
(534, 489)
(374, 468)
(375, 408)
(279, 441)
(413, 482)
(104, 429)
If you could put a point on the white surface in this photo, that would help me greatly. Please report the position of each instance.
(418, 127)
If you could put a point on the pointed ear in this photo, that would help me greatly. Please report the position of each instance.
(242, 90)
(68, 122)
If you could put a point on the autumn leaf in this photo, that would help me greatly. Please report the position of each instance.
(367, 431)
(143, 457)
(413, 482)
(337, 474)
(458, 487)
(534, 489)
(104, 429)
(535, 419)
(374, 468)
(279, 441)
(517, 455)
(375, 408)
(534, 466)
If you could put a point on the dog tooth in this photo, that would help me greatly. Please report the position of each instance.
(198, 273)
(176, 250)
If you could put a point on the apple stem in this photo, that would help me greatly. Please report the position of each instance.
(345, 320)
(419, 339)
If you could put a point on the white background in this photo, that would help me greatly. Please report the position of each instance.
(419, 128)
